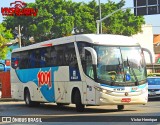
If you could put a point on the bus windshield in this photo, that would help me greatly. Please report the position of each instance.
(120, 65)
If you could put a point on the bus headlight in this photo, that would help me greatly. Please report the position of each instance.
(106, 91)
(103, 90)
(98, 89)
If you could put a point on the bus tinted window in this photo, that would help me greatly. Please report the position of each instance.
(81, 49)
(23, 61)
(70, 58)
(60, 55)
(15, 60)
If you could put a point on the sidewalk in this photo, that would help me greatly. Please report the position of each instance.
(6, 99)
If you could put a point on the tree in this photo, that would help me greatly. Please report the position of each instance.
(123, 22)
(84, 18)
(57, 18)
(5, 36)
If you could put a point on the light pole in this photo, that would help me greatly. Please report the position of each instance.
(18, 31)
(19, 35)
(100, 15)
(100, 21)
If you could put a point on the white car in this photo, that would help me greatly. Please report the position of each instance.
(153, 86)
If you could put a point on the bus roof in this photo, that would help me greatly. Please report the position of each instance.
(101, 39)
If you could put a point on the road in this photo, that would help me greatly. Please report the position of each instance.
(51, 113)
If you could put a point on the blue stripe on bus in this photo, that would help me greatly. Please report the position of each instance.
(32, 75)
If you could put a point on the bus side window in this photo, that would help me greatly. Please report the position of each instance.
(89, 67)
(42, 57)
(73, 59)
(81, 49)
(60, 54)
(60, 58)
(15, 60)
(48, 56)
(70, 56)
(32, 59)
(53, 57)
(67, 57)
(23, 64)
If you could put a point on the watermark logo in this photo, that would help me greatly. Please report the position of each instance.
(18, 8)
(18, 4)
(20, 119)
(6, 119)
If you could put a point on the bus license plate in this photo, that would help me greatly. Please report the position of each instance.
(152, 93)
(126, 100)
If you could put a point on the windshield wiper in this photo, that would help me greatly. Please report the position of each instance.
(137, 82)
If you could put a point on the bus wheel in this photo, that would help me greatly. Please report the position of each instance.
(27, 98)
(28, 101)
(77, 99)
(120, 107)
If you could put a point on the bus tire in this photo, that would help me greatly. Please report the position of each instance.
(77, 99)
(120, 107)
(28, 101)
(27, 98)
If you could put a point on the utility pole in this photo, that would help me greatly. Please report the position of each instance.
(19, 35)
(100, 16)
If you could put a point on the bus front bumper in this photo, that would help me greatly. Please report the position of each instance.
(106, 99)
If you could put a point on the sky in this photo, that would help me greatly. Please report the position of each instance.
(153, 20)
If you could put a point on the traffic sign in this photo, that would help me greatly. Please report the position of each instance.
(146, 7)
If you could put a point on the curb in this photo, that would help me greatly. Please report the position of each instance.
(6, 99)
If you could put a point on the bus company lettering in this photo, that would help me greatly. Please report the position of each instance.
(44, 78)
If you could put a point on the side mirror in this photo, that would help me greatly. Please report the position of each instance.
(94, 60)
(150, 54)
(151, 58)
(93, 54)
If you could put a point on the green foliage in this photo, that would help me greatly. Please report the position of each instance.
(57, 18)
(84, 19)
(5, 35)
(123, 22)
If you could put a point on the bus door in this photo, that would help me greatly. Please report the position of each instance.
(91, 94)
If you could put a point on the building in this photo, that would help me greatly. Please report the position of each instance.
(156, 43)
(145, 38)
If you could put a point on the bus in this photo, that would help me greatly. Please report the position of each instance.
(85, 70)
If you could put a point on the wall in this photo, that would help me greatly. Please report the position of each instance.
(145, 39)
(6, 85)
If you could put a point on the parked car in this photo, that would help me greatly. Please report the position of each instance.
(154, 85)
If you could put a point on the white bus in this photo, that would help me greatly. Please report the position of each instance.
(87, 69)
